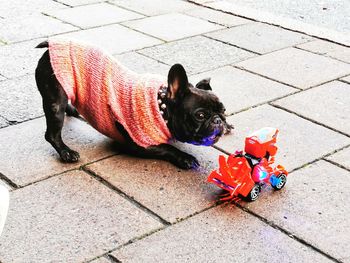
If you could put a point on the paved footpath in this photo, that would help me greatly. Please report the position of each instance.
(114, 208)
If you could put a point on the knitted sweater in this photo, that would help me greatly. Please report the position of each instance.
(104, 91)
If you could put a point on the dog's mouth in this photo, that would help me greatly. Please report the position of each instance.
(208, 140)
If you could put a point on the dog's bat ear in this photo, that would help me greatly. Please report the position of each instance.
(177, 81)
(204, 84)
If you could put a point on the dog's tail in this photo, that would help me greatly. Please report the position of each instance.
(43, 44)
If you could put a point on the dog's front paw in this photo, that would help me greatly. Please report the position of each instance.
(186, 161)
(69, 156)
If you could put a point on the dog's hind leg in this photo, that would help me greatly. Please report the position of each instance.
(55, 103)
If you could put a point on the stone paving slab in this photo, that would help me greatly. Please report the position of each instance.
(222, 234)
(347, 79)
(26, 140)
(329, 49)
(20, 59)
(197, 54)
(69, 218)
(314, 207)
(15, 29)
(94, 15)
(154, 7)
(3, 122)
(142, 64)
(217, 17)
(326, 104)
(238, 89)
(297, 67)
(19, 8)
(165, 189)
(20, 99)
(2, 78)
(79, 2)
(101, 260)
(114, 38)
(341, 157)
(260, 38)
(300, 141)
(181, 25)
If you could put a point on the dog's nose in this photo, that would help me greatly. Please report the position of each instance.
(217, 120)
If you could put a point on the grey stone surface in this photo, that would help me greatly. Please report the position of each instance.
(222, 234)
(297, 67)
(79, 2)
(327, 48)
(238, 89)
(342, 157)
(94, 15)
(299, 142)
(3, 122)
(165, 189)
(197, 54)
(114, 38)
(181, 26)
(19, 8)
(101, 260)
(2, 78)
(325, 104)
(20, 99)
(26, 141)
(69, 218)
(314, 207)
(142, 64)
(260, 38)
(217, 17)
(154, 7)
(347, 79)
(16, 28)
(20, 59)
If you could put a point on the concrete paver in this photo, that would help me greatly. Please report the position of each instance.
(325, 104)
(26, 141)
(79, 2)
(222, 234)
(20, 59)
(2, 78)
(341, 157)
(3, 122)
(154, 7)
(329, 49)
(240, 89)
(217, 17)
(347, 79)
(19, 8)
(310, 210)
(300, 141)
(260, 38)
(197, 54)
(142, 64)
(106, 38)
(94, 15)
(297, 67)
(101, 260)
(69, 218)
(168, 191)
(181, 26)
(20, 99)
(15, 29)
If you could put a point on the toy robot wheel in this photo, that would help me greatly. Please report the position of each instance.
(282, 182)
(254, 193)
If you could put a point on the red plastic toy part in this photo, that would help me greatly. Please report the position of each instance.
(244, 174)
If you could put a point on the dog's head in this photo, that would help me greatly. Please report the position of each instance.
(196, 114)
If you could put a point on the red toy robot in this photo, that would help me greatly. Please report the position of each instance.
(243, 174)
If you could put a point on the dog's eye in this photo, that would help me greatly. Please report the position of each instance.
(200, 115)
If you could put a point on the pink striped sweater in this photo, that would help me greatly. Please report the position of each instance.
(104, 91)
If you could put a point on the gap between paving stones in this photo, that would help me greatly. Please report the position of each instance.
(323, 55)
(336, 164)
(264, 22)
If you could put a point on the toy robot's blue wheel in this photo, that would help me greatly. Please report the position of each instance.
(279, 182)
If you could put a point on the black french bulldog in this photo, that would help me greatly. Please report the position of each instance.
(194, 115)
